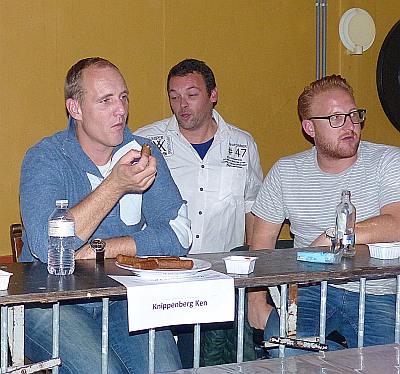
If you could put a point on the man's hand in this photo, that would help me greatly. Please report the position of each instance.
(127, 176)
(134, 177)
(258, 309)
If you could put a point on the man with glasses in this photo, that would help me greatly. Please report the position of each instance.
(305, 189)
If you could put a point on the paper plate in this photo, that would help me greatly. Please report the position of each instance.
(199, 265)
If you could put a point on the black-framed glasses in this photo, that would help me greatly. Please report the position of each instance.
(338, 120)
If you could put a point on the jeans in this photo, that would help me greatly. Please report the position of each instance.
(80, 340)
(341, 315)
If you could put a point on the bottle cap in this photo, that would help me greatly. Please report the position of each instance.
(62, 202)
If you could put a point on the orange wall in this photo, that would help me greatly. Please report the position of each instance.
(262, 53)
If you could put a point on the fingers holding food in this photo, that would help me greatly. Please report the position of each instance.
(145, 151)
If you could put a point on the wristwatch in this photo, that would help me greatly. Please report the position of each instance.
(99, 247)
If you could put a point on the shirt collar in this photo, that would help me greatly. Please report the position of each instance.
(221, 125)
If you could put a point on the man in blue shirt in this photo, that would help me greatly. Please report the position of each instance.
(128, 201)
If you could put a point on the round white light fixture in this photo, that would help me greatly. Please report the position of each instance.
(357, 30)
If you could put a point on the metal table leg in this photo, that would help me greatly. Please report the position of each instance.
(56, 333)
(152, 339)
(16, 334)
(322, 320)
(361, 313)
(196, 346)
(104, 336)
(283, 317)
(4, 342)
(240, 325)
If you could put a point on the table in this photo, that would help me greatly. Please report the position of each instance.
(31, 283)
(280, 266)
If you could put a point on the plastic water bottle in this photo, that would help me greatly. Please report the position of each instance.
(61, 231)
(345, 225)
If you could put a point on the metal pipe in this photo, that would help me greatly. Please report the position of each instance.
(322, 318)
(282, 320)
(317, 37)
(397, 326)
(4, 344)
(324, 33)
(240, 323)
(361, 313)
(104, 336)
(152, 340)
(196, 346)
(56, 334)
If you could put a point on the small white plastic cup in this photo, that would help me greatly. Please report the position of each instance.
(384, 251)
(4, 279)
(240, 264)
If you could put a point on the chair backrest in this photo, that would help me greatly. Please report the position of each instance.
(16, 240)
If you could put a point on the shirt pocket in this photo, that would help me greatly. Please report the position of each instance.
(232, 183)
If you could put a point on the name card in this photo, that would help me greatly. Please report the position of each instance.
(206, 297)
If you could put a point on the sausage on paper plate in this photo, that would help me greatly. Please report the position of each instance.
(174, 264)
(156, 262)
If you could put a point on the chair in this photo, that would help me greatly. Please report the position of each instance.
(16, 240)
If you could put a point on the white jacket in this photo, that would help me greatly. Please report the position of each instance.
(220, 189)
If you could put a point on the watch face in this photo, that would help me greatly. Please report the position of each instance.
(98, 245)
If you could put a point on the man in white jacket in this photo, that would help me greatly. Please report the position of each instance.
(217, 169)
(215, 165)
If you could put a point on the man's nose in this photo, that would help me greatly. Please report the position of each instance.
(121, 108)
(348, 123)
(183, 102)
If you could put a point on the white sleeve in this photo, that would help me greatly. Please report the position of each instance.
(181, 227)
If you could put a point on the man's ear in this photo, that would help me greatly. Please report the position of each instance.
(214, 95)
(308, 127)
(74, 109)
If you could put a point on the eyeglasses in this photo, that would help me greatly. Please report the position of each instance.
(338, 120)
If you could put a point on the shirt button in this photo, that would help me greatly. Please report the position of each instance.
(200, 212)
(202, 166)
(201, 188)
(197, 236)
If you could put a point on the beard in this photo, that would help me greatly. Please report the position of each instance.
(339, 149)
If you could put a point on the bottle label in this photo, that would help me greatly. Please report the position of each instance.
(61, 228)
(348, 239)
